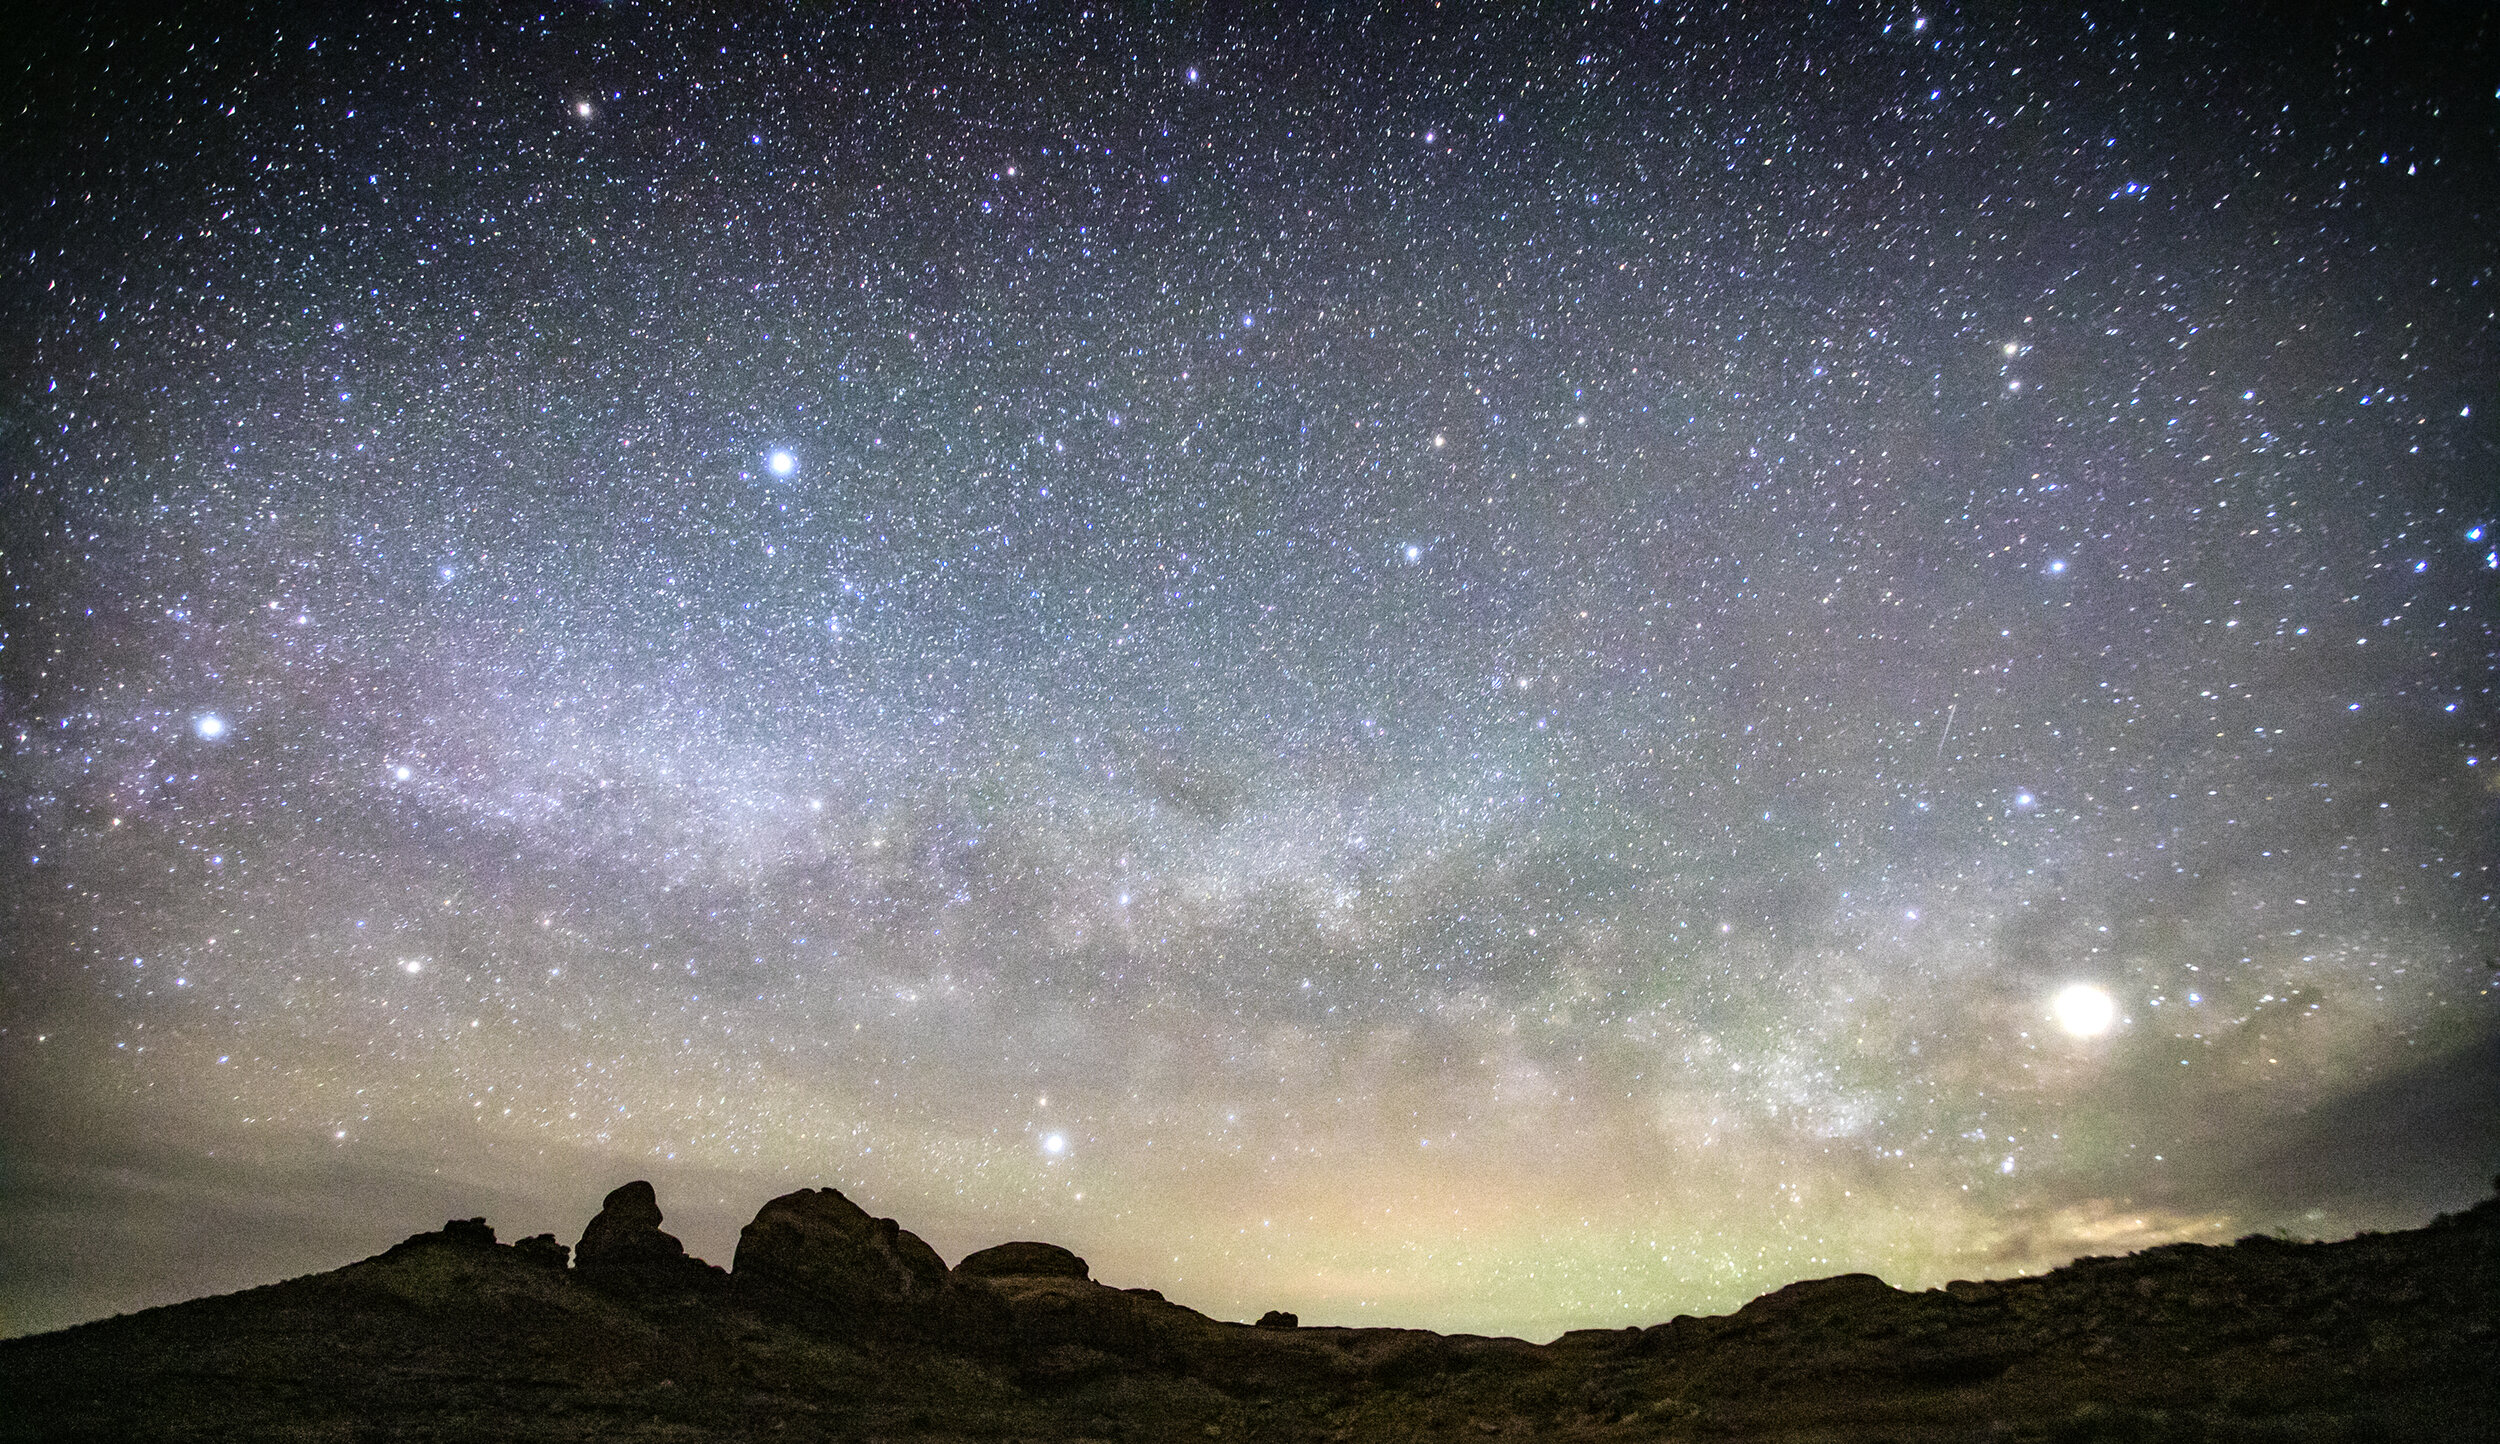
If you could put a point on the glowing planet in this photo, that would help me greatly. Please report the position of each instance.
(2084, 1010)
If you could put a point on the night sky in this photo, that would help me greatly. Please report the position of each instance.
(1479, 672)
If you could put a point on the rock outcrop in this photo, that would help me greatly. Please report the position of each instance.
(838, 1326)
(1062, 1326)
(625, 1249)
(817, 1256)
(818, 1243)
(475, 1232)
(1022, 1261)
(543, 1250)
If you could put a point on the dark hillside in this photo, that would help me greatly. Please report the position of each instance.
(836, 1326)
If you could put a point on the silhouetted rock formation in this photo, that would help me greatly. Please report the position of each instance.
(542, 1250)
(817, 1257)
(1024, 1260)
(838, 1326)
(821, 1245)
(475, 1232)
(623, 1248)
(1063, 1326)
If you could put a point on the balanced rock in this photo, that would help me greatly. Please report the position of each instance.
(817, 1250)
(1023, 1261)
(624, 1245)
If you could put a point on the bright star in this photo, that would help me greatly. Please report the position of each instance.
(1055, 1144)
(210, 726)
(782, 463)
(2084, 1010)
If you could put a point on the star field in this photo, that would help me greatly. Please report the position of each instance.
(1471, 672)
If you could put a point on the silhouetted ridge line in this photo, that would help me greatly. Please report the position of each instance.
(835, 1325)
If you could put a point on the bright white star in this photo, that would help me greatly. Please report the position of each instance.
(2084, 1010)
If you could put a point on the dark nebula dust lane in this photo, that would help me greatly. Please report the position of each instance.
(1495, 671)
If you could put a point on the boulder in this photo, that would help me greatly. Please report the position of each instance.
(1277, 1319)
(1049, 1314)
(817, 1253)
(628, 1223)
(1024, 1261)
(624, 1248)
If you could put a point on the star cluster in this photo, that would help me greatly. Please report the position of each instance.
(1479, 673)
